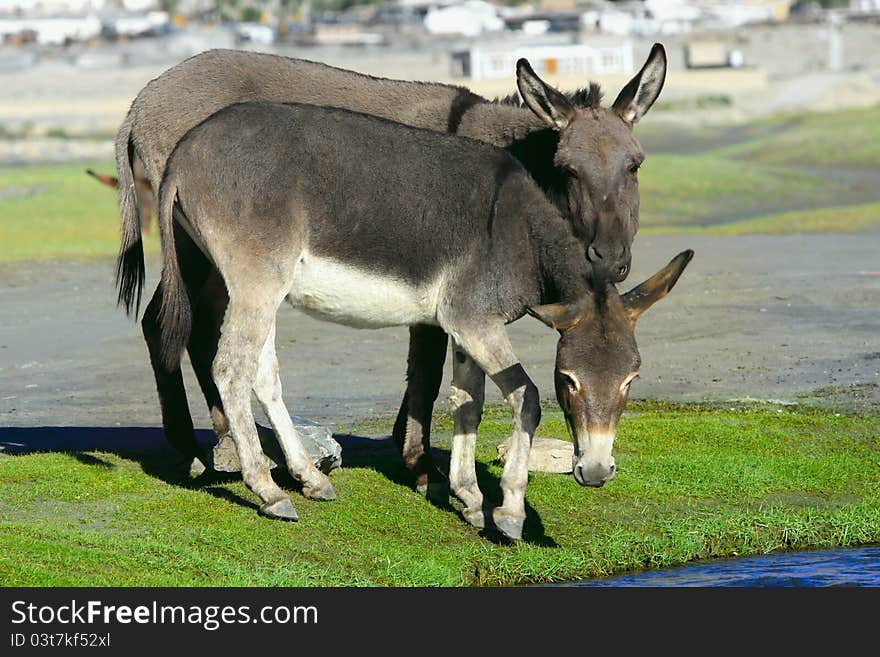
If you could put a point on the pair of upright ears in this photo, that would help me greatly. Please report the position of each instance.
(632, 103)
(564, 316)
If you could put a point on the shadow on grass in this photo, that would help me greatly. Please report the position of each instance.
(148, 447)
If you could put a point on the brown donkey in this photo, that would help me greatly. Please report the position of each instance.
(498, 250)
(584, 156)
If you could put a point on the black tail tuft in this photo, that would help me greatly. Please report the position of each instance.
(130, 261)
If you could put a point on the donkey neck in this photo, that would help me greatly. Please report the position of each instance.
(542, 259)
(563, 266)
(499, 124)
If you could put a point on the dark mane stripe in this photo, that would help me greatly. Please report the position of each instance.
(588, 97)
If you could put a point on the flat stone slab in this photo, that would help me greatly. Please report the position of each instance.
(323, 449)
(547, 455)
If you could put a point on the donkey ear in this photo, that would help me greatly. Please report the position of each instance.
(643, 296)
(636, 98)
(559, 316)
(552, 107)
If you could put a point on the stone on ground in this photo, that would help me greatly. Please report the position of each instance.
(547, 455)
(323, 449)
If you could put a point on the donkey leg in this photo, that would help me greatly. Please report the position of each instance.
(316, 485)
(208, 313)
(467, 395)
(412, 429)
(245, 327)
(176, 419)
(491, 349)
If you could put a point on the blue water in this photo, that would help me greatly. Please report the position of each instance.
(841, 567)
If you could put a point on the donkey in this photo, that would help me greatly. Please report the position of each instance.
(359, 256)
(584, 156)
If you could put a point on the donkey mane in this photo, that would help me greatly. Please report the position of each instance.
(588, 97)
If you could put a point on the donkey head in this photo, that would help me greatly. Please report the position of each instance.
(597, 360)
(599, 157)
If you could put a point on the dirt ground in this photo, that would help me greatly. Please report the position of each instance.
(794, 318)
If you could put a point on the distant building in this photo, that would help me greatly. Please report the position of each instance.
(469, 18)
(865, 6)
(50, 31)
(482, 63)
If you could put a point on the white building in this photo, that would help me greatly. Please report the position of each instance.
(34, 8)
(480, 63)
(52, 31)
(469, 18)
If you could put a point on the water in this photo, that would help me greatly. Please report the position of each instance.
(841, 567)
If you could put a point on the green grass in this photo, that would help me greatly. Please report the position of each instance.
(848, 219)
(695, 482)
(57, 211)
(679, 191)
(849, 138)
(786, 174)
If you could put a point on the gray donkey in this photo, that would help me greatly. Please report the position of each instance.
(583, 156)
(366, 222)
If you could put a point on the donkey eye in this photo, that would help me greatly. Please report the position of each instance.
(570, 381)
(634, 168)
(624, 387)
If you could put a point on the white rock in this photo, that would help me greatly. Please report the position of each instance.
(547, 455)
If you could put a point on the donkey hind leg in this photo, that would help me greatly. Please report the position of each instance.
(208, 312)
(412, 429)
(245, 327)
(176, 419)
(316, 485)
(466, 398)
(490, 348)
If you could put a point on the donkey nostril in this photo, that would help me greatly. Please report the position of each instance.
(593, 254)
(612, 468)
(622, 271)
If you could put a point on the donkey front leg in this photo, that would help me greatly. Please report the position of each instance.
(490, 348)
(467, 395)
(316, 485)
(245, 329)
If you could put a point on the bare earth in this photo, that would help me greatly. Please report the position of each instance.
(770, 318)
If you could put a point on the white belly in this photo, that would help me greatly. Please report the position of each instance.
(329, 290)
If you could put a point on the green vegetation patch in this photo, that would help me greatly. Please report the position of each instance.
(849, 138)
(781, 175)
(847, 219)
(705, 189)
(694, 483)
(57, 211)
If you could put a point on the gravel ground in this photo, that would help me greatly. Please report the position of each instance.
(791, 318)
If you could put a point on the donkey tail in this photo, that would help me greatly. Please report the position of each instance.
(110, 181)
(175, 313)
(130, 261)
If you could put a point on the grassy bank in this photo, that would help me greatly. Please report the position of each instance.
(788, 174)
(56, 211)
(694, 482)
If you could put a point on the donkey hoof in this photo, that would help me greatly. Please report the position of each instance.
(508, 525)
(475, 517)
(196, 468)
(282, 510)
(320, 493)
(435, 491)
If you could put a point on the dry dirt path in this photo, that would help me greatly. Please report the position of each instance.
(752, 317)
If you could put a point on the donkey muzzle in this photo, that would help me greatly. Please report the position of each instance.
(595, 475)
(614, 269)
